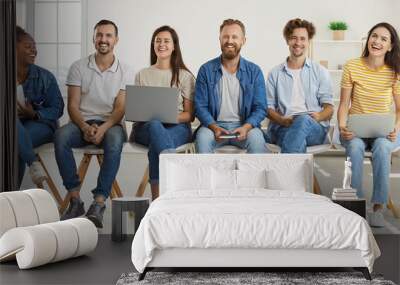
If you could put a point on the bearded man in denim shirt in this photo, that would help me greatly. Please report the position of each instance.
(230, 97)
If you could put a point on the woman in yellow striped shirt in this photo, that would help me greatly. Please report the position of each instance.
(371, 84)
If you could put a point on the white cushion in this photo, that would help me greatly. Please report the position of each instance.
(188, 174)
(33, 246)
(223, 179)
(7, 217)
(291, 180)
(23, 208)
(44, 204)
(251, 179)
(66, 238)
(183, 177)
(87, 235)
(282, 173)
(37, 245)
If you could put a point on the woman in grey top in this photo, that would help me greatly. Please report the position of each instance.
(167, 70)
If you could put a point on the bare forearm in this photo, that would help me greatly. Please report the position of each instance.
(326, 113)
(342, 114)
(115, 118)
(77, 118)
(397, 124)
(185, 117)
(247, 126)
(275, 117)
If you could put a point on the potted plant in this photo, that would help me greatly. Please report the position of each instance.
(338, 29)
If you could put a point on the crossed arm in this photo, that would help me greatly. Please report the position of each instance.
(94, 133)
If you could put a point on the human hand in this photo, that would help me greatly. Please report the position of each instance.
(98, 136)
(286, 121)
(392, 136)
(25, 111)
(345, 133)
(218, 131)
(241, 132)
(88, 132)
(316, 116)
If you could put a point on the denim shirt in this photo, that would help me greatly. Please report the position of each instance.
(316, 83)
(252, 100)
(41, 90)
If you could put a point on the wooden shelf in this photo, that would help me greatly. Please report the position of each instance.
(335, 70)
(338, 42)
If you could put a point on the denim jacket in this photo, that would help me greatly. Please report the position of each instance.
(316, 83)
(252, 100)
(41, 90)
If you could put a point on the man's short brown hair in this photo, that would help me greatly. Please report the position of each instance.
(298, 23)
(229, 22)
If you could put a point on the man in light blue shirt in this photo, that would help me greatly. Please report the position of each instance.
(299, 93)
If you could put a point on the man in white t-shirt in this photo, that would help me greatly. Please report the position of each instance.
(299, 93)
(96, 106)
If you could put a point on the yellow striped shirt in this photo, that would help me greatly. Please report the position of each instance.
(373, 90)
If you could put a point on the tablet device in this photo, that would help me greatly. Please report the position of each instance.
(229, 136)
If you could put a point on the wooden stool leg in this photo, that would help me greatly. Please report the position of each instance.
(82, 170)
(50, 182)
(115, 189)
(143, 183)
(393, 208)
(316, 188)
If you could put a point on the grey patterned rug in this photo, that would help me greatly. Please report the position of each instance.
(243, 278)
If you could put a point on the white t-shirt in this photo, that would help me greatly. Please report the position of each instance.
(21, 95)
(298, 103)
(230, 93)
(152, 76)
(98, 89)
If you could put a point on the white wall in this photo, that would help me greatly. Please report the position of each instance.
(197, 23)
(21, 13)
(198, 26)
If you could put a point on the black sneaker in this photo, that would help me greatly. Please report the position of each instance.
(75, 209)
(95, 214)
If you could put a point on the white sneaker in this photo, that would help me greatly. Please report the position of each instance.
(37, 173)
(376, 219)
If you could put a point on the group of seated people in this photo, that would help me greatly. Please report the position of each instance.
(228, 97)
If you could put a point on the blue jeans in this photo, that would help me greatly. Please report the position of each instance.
(70, 136)
(206, 143)
(381, 155)
(160, 137)
(303, 132)
(31, 134)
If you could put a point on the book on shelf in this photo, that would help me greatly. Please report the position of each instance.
(334, 197)
(341, 190)
(344, 194)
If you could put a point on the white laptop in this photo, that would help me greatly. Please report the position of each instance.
(371, 125)
(145, 103)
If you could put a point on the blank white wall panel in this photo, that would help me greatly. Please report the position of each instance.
(45, 22)
(47, 56)
(69, 28)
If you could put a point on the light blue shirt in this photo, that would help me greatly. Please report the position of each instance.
(317, 86)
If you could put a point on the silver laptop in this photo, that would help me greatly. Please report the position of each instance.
(371, 125)
(144, 103)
